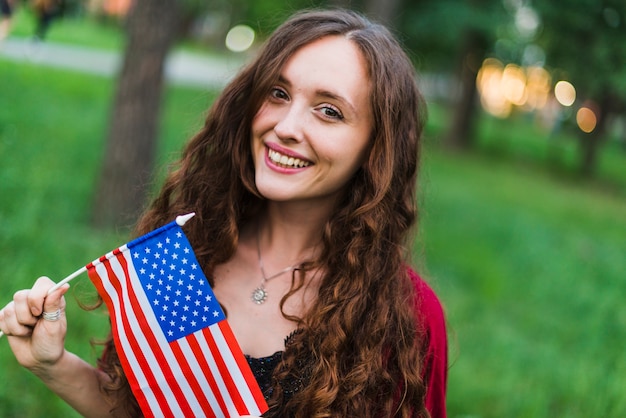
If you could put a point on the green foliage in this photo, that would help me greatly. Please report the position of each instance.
(589, 32)
(437, 29)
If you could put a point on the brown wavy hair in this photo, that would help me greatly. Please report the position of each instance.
(358, 351)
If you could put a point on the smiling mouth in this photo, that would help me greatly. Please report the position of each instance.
(286, 161)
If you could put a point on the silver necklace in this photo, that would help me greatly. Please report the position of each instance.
(259, 295)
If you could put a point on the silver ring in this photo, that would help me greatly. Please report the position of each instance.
(52, 316)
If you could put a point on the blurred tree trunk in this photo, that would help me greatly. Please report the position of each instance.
(152, 27)
(461, 132)
(590, 143)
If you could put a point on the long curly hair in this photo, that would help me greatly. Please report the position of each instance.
(358, 348)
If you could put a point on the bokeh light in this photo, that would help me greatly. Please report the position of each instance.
(586, 119)
(538, 84)
(514, 84)
(565, 93)
(488, 83)
(239, 38)
(502, 87)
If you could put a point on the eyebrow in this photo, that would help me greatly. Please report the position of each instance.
(326, 94)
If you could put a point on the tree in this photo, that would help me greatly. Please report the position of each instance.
(585, 41)
(456, 34)
(152, 27)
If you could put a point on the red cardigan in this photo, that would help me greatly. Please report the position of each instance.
(435, 366)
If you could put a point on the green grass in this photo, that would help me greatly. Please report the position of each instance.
(531, 271)
(528, 262)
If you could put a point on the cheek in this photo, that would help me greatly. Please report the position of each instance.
(260, 120)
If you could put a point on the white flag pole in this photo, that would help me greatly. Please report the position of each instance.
(180, 220)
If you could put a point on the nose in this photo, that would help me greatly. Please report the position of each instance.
(290, 124)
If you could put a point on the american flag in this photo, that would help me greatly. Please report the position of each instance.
(176, 348)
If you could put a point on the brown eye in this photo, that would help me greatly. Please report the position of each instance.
(331, 112)
(278, 93)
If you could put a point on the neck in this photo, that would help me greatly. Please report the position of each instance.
(288, 237)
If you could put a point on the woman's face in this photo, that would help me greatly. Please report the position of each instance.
(312, 132)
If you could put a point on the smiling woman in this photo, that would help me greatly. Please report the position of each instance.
(303, 182)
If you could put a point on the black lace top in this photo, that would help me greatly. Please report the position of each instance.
(263, 368)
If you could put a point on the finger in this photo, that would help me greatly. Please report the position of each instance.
(38, 294)
(55, 300)
(10, 325)
(21, 310)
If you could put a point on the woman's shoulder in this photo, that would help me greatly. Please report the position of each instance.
(427, 304)
(431, 319)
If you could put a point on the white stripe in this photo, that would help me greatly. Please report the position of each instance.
(235, 372)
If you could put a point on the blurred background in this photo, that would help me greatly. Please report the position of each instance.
(523, 184)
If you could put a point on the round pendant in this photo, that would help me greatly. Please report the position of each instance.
(259, 295)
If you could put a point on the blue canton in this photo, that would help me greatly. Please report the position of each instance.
(178, 292)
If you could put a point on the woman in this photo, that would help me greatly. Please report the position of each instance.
(303, 181)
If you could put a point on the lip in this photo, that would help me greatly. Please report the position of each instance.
(271, 164)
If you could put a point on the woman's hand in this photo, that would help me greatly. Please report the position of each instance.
(35, 324)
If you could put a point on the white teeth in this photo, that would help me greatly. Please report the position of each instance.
(287, 161)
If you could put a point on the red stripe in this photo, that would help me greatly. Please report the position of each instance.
(225, 373)
(192, 380)
(243, 365)
(144, 326)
